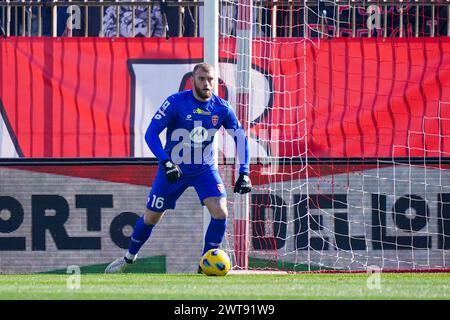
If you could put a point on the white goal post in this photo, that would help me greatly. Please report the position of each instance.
(349, 160)
(240, 206)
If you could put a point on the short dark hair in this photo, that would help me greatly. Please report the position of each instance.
(204, 66)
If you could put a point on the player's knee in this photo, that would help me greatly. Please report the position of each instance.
(220, 214)
(217, 207)
(152, 217)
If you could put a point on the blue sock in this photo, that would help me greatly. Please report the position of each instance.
(140, 234)
(215, 233)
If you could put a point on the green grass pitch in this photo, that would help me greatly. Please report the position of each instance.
(303, 286)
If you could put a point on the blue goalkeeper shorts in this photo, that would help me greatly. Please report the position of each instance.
(164, 193)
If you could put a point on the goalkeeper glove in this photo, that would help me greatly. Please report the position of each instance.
(173, 171)
(243, 184)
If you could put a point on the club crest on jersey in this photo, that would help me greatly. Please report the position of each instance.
(214, 120)
(202, 112)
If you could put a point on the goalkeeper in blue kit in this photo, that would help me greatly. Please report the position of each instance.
(192, 118)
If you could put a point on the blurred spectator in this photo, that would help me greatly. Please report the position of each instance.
(68, 17)
(323, 20)
(261, 24)
(16, 15)
(187, 20)
(141, 21)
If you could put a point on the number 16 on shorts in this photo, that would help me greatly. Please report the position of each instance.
(156, 202)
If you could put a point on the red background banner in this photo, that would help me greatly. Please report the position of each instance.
(71, 97)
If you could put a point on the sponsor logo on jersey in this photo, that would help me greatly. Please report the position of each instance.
(164, 107)
(214, 120)
(189, 117)
(202, 112)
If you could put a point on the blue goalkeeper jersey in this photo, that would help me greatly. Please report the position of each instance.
(191, 127)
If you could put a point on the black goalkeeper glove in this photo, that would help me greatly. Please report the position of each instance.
(243, 184)
(173, 171)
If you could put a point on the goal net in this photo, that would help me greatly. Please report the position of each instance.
(346, 106)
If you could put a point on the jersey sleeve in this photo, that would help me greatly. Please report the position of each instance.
(234, 128)
(161, 119)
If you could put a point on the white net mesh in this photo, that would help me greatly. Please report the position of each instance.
(340, 179)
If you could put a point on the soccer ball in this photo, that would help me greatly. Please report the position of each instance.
(215, 262)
